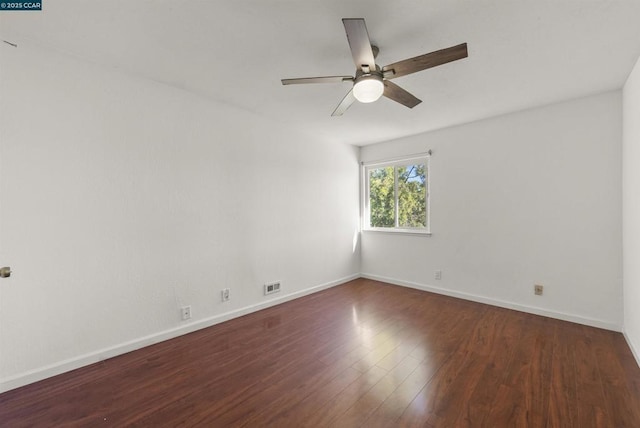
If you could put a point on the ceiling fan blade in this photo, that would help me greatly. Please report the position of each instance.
(359, 43)
(422, 62)
(324, 79)
(344, 104)
(396, 93)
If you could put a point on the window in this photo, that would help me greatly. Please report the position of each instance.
(397, 195)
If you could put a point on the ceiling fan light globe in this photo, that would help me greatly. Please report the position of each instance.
(368, 90)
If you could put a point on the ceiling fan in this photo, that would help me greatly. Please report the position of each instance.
(371, 81)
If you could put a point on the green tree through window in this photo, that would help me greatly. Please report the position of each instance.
(397, 196)
(382, 197)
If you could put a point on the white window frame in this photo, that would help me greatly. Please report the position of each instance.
(366, 212)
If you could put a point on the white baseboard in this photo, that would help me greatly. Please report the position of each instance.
(634, 349)
(103, 354)
(500, 303)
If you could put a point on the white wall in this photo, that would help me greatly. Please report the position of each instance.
(123, 199)
(631, 209)
(528, 198)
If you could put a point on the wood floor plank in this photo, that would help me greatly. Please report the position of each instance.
(398, 354)
(364, 354)
(296, 415)
(454, 408)
(629, 364)
(562, 410)
(530, 370)
(509, 409)
(369, 402)
(339, 404)
(501, 333)
(623, 408)
(387, 414)
(591, 405)
(457, 357)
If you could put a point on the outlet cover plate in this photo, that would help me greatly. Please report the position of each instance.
(185, 313)
(272, 287)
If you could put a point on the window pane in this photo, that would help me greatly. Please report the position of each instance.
(381, 198)
(412, 196)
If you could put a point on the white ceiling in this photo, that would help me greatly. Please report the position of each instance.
(521, 53)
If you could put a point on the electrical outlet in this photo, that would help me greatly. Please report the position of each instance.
(226, 294)
(272, 287)
(537, 290)
(438, 275)
(185, 313)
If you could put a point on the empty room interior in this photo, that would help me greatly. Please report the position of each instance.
(323, 213)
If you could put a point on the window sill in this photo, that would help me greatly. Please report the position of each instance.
(415, 232)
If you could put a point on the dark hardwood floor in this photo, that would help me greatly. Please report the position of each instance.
(360, 354)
